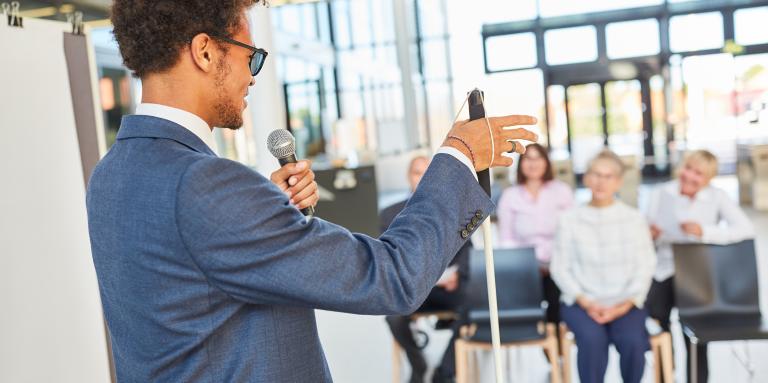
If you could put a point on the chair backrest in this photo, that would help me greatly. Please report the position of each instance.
(518, 287)
(716, 279)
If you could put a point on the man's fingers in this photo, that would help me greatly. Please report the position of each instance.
(514, 147)
(292, 169)
(279, 178)
(308, 178)
(303, 194)
(298, 167)
(311, 201)
(504, 161)
(519, 134)
(290, 176)
(513, 120)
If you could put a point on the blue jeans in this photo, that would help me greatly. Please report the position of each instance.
(627, 334)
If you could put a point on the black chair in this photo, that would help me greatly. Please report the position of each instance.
(521, 314)
(716, 289)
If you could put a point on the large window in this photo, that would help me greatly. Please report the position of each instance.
(309, 21)
(433, 93)
(508, 52)
(526, 88)
(646, 77)
(696, 32)
(570, 45)
(750, 25)
(370, 80)
(632, 38)
(308, 83)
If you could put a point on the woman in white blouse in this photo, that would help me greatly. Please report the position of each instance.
(603, 262)
(689, 209)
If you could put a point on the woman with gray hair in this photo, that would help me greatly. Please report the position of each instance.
(603, 262)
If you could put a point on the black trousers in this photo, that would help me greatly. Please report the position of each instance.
(438, 300)
(661, 300)
(552, 296)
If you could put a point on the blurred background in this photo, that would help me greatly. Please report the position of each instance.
(363, 81)
(365, 85)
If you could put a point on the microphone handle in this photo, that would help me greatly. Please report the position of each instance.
(307, 211)
(476, 112)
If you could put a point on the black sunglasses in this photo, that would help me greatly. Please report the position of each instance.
(257, 57)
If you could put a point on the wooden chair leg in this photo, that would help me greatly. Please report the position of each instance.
(462, 362)
(553, 354)
(395, 362)
(667, 361)
(661, 346)
(656, 355)
(566, 346)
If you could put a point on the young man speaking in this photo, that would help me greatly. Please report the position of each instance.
(208, 272)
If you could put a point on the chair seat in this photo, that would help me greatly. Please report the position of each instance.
(442, 315)
(517, 325)
(724, 327)
(519, 332)
(524, 315)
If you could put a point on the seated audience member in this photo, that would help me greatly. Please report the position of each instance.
(447, 295)
(689, 209)
(528, 213)
(603, 262)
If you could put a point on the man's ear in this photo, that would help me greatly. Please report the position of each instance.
(203, 52)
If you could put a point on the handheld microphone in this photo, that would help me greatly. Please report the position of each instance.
(282, 145)
(476, 112)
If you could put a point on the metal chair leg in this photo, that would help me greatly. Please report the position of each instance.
(694, 359)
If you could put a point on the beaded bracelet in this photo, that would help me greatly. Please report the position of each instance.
(471, 153)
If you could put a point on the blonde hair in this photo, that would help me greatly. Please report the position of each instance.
(608, 155)
(707, 160)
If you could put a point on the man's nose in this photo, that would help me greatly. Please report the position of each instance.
(253, 81)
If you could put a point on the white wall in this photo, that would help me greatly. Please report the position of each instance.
(266, 105)
(51, 326)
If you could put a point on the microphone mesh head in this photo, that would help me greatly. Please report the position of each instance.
(281, 143)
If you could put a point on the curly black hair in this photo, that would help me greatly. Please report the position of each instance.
(151, 33)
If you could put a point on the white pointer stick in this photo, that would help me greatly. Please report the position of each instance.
(475, 99)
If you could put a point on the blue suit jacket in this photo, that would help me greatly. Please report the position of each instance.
(207, 273)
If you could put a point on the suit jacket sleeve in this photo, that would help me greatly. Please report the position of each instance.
(251, 243)
(388, 215)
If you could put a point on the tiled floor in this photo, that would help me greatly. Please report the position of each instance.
(359, 348)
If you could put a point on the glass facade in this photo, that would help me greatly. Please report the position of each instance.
(647, 78)
(362, 95)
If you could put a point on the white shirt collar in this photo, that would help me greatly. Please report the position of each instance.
(705, 194)
(190, 121)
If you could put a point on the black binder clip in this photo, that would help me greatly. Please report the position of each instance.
(12, 13)
(76, 19)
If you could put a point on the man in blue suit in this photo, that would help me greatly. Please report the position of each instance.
(208, 272)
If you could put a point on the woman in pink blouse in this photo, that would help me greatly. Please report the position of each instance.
(528, 214)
